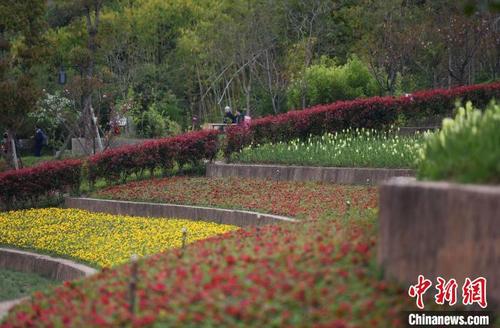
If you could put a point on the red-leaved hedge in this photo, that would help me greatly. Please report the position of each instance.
(29, 184)
(376, 112)
(191, 148)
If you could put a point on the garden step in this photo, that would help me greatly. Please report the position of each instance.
(338, 175)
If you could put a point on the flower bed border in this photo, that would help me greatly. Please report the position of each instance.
(338, 175)
(47, 266)
(440, 229)
(239, 218)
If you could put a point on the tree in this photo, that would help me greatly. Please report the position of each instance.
(85, 16)
(306, 20)
(92, 12)
(21, 27)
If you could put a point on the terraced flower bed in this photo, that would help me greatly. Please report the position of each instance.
(98, 239)
(295, 199)
(320, 272)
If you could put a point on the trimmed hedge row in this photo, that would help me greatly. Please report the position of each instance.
(188, 148)
(29, 184)
(376, 112)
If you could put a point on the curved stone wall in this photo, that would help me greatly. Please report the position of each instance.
(46, 266)
(198, 213)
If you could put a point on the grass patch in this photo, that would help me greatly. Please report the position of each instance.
(349, 148)
(26, 161)
(33, 160)
(15, 284)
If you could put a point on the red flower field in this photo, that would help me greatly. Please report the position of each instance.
(297, 199)
(319, 273)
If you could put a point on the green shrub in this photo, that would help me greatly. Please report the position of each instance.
(150, 123)
(324, 83)
(467, 149)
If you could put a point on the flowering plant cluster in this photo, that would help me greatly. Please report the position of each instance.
(376, 112)
(102, 240)
(318, 273)
(29, 184)
(296, 199)
(347, 148)
(188, 148)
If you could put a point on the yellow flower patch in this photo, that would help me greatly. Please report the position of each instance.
(100, 239)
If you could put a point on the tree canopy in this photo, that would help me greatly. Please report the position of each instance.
(186, 58)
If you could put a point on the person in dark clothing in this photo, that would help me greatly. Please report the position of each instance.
(39, 141)
(240, 117)
(229, 117)
(5, 145)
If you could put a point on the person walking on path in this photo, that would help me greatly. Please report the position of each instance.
(40, 140)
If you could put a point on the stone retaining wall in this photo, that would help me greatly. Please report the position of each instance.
(198, 213)
(340, 175)
(46, 266)
(440, 229)
(43, 265)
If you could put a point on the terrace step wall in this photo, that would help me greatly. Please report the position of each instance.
(440, 229)
(338, 175)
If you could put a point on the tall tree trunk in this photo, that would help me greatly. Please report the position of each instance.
(270, 84)
(92, 29)
(12, 150)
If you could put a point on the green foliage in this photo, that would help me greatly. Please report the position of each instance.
(53, 114)
(153, 124)
(150, 123)
(29, 161)
(156, 120)
(326, 83)
(193, 57)
(466, 149)
(471, 6)
(17, 284)
(353, 148)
